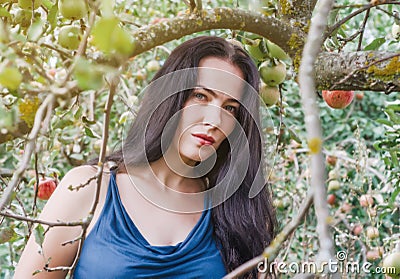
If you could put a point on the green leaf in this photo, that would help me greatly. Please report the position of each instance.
(90, 133)
(35, 30)
(78, 113)
(52, 16)
(377, 146)
(393, 116)
(383, 215)
(394, 107)
(394, 195)
(385, 122)
(39, 234)
(394, 156)
(6, 235)
(375, 44)
(4, 12)
(48, 4)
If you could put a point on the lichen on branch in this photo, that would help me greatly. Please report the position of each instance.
(274, 29)
(362, 70)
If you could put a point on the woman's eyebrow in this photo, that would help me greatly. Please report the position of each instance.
(212, 92)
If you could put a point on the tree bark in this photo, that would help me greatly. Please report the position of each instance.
(277, 31)
(362, 70)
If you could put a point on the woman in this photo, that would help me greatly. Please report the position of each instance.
(176, 203)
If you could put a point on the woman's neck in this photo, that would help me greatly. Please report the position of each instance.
(176, 176)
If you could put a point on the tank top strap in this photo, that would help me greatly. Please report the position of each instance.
(113, 177)
(113, 192)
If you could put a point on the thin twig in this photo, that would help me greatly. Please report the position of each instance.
(389, 14)
(332, 28)
(63, 53)
(362, 29)
(347, 6)
(82, 185)
(271, 251)
(43, 222)
(37, 183)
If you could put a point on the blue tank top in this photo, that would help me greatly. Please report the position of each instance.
(116, 249)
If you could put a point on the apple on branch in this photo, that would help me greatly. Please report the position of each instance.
(338, 99)
(269, 94)
(272, 74)
(47, 185)
(70, 37)
(73, 9)
(331, 199)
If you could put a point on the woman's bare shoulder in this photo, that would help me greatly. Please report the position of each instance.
(71, 202)
(74, 195)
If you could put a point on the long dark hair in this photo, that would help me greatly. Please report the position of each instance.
(243, 226)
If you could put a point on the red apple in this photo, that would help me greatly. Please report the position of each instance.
(47, 186)
(366, 200)
(357, 230)
(331, 160)
(331, 199)
(373, 255)
(338, 99)
(359, 96)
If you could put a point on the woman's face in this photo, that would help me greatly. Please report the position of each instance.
(209, 114)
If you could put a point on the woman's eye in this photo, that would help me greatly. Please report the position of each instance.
(199, 96)
(231, 109)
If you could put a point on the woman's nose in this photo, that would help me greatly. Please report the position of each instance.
(213, 115)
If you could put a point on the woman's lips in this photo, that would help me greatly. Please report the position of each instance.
(204, 139)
